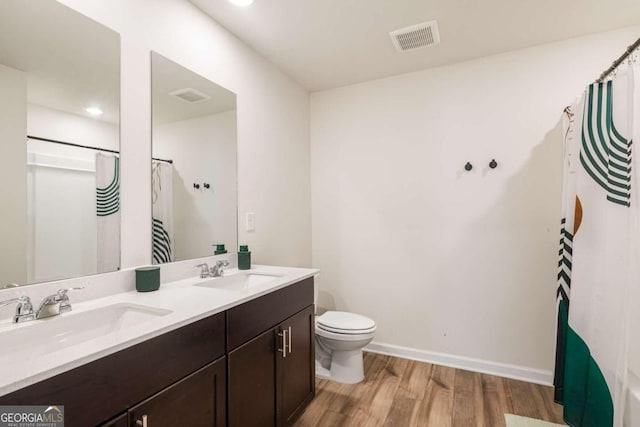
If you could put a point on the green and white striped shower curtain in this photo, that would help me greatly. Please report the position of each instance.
(108, 212)
(162, 198)
(598, 257)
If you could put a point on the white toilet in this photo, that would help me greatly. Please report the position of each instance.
(340, 337)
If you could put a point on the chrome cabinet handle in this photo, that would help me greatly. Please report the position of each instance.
(142, 423)
(289, 339)
(283, 334)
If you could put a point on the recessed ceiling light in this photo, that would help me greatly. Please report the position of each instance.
(94, 111)
(241, 3)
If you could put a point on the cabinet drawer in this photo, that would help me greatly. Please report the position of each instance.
(254, 317)
(95, 392)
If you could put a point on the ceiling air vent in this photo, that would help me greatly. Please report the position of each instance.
(416, 36)
(190, 95)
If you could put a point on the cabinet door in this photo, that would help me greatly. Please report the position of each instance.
(120, 421)
(197, 400)
(251, 376)
(296, 371)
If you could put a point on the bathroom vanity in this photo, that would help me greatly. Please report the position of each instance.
(246, 360)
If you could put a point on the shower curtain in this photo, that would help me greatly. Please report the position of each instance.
(162, 198)
(599, 254)
(108, 212)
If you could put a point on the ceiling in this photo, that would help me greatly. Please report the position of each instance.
(71, 62)
(167, 76)
(329, 43)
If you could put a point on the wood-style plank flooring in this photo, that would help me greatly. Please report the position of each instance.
(401, 392)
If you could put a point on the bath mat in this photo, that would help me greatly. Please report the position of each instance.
(518, 421)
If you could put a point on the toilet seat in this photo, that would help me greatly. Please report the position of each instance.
(360, 336)
(340, 322)
(346, 331)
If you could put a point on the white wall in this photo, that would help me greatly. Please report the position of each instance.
(448, 261)
(273, 124)
(53, 124)
(13, 205)
(203, 150)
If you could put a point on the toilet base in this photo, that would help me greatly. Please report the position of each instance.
(322, 372)
(346, 367)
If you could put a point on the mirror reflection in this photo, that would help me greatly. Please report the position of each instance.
(194, 164)
(59, 112)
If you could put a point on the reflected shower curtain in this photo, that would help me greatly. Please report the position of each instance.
(599, 254)
(108, 212)
(162, 198)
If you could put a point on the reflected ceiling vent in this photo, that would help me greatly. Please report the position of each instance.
(190, 95)
(416, 36)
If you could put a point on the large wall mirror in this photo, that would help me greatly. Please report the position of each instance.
(59, 131)
(194, 191)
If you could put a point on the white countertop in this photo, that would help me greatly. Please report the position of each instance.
(185, 302)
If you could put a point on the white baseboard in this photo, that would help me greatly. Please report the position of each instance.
(537, 376)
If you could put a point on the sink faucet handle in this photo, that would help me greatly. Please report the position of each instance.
(64, 299)
(20, 300)
(64, 291)
(24, 309)
(216, 270)
(204, 270)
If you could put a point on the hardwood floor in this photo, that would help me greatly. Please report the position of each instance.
(401, 392)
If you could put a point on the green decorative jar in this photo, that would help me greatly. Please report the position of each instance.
(147, 279)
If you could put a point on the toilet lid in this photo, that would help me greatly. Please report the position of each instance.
(343, 322)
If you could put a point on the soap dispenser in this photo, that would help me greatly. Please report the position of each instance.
(220, 249)
(244, 258)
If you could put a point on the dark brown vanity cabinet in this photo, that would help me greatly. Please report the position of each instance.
(120, 421)
(271, 376)
(252, 365)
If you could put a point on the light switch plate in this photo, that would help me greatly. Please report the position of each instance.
(250, 221)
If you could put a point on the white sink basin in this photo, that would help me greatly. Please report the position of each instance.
(239, 281)
(40, 337)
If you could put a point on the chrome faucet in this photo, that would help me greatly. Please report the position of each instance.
(215, 271)
(55, 304)
(24, 310)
